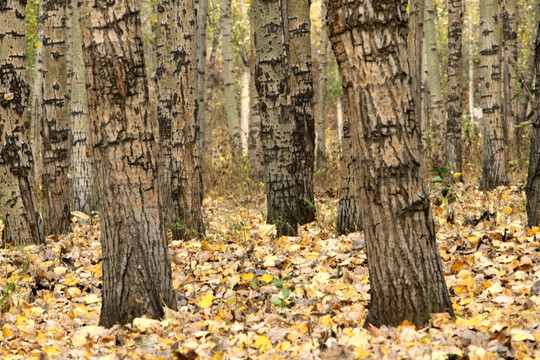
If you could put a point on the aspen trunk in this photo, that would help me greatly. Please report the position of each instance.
(320, 103)
(494, 163)
(17, 210)
(136, 268)
(55, 129)
(231, 107)
(82, 181)
(180, 168)
(405, 269)
(454, 106)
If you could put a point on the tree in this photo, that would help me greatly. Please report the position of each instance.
(435, 99)
(415, 50)
(349, 217)
(320, 90)
(494, 163)
(454, 106)
(82, 180)
(180, 168)
(300, 85)
(231, 107)
(406, 276)
(16, 162)
(136, 268)
(55, 129)
(532, 189)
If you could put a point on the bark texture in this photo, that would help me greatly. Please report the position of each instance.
(533, 178)
(16, 162)
(231, 107)
(320, 103)
(349, 217)
(494, 163)
(369, 39)
(55, 129)
(180, 168)
(298, 44)
(454, 103)
(276, 126)
(82, 181)
(415, 51)
(136, 268)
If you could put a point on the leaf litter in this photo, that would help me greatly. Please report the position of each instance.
(243, 293)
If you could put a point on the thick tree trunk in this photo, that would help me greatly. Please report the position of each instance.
(349, 217)
(231, 107)
(406, 277)
(277, 126)
(136, 268)
(494, 163)
(320, 103)
(415, 51)
(300, 85)
(148, 16)
(434, 100)
(533, 178)
(82, 181)
(180, 168)
(509, 61)
(454, 106)
(55, 129)
(16, 201)
(254, 139)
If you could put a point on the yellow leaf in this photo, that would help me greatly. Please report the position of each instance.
(74, 292)
(143, 324)
(206, 300)
(78, 339)
(283, 346)
(41, 338)
(59, 270)
(266, 278)
(456, 266)
(6, 332)
(304, 327)
(8, 96)
(51, 351)
(263, 343)
(359, 340)
(456, 175)
(91, 299)
(218, 355)
(248, 277)
(521, 335)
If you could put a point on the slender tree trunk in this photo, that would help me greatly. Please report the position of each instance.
(494, 164)
(82, 181)
(277, 127)
(406, 277)
(533, 178)
(435, 102)
(349, 217)
(55, 130)
(231, 107)
(206, 125)
(17, 210)
(254, 140)
(454, 110)
(136, 268)
(320, 103)
(509, 61)
(180, 169)
(202, 11)
(244, 108)
(300, 85)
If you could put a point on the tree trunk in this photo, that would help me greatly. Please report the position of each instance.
(406, 277)
(82, 181)
(16, 201)
(231, 107)
(435, 102)
(320, 103)
(300, 85)
(180, 169)
(349, 217)
(509, 61)
(533, 178)
(414, 51)
(276, 125)
(454, 106)
(148, 16)
(494, 164)
(254, 139)
(136, 268)
(206, 125)
(339, 115)
(202, 11)
(55, 130)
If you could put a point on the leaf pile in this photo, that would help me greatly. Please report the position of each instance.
(242, 293)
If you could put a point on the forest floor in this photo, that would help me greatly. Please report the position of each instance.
(243, 294)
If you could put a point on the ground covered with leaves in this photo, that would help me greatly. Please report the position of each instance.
(244, 294)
